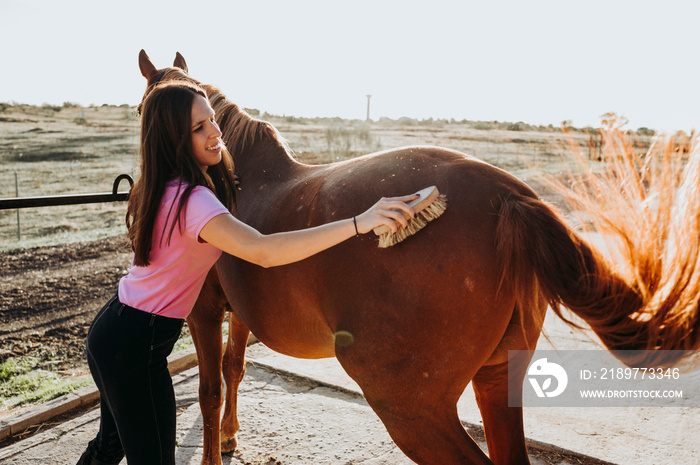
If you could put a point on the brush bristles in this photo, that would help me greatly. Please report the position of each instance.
(423, 217)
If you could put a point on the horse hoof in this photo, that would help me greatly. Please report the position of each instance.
(228, 445)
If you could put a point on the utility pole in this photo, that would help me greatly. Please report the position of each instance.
(368, 97)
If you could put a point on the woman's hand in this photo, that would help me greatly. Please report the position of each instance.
(391, 212)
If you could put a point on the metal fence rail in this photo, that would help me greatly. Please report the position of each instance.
(74, 199)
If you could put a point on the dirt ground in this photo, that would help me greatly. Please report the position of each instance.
(48, 296)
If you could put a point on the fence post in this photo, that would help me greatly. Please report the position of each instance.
(19, 230)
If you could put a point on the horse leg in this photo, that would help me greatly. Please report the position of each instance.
(418, 406)
(233, 371)
(427, 427)
(503, 425)
(205, 322)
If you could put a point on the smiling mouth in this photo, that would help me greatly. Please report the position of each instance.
(216, 147)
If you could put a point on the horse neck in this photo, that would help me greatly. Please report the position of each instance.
(265, 161)
(256, 146)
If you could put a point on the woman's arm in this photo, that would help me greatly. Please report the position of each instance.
(237, 238)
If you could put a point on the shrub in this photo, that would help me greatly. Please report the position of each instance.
(483, 125)
(406, 121)
(51, 108)
(346, 140)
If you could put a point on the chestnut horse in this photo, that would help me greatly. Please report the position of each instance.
(421, 319)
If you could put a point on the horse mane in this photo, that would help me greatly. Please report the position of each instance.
(240, 130)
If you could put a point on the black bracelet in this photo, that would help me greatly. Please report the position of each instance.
(357, 233)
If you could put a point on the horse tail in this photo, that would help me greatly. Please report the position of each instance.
(540, 253)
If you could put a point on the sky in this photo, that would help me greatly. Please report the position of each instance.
(536, 61)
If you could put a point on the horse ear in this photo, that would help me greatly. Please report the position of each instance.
(180, 62)
(148, 70)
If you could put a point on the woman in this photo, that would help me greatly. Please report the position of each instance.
(179, 222)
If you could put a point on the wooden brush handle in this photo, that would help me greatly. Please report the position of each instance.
(427, 197)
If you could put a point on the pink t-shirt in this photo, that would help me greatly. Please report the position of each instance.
(170, 284)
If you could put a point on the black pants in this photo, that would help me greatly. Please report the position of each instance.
(127, 352)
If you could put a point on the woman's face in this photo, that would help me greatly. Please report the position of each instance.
(206, 136)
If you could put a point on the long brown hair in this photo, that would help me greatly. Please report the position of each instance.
(166, 153)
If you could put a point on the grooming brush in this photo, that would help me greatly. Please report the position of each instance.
(429, 205)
